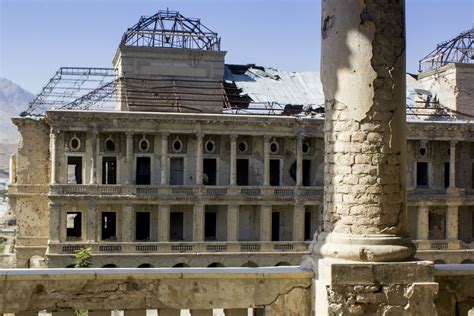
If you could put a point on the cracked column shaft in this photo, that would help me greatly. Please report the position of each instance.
(364, 87)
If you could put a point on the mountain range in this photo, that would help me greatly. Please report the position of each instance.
(13, 100)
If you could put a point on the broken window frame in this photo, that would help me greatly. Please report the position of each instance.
(80, 229)
(82, 173)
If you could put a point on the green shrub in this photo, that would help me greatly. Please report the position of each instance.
(83, 258)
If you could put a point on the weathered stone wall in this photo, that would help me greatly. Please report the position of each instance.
(456, 291)
(31, 206)
(275, 289)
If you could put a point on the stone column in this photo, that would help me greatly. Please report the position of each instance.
(54, 221)
(266, 160)
(127, 223)
(93, 140)
(299, 160)
(198, 222)
(266, 223)
(233, 222)
(129, 159)
(92, 222)
(62, 225)
(422, 230)
(164, 158)
(452, 216)
(54, 153)
(233, 159)
(164, 223)
(12, 176)
(298, 222)
(365, 141)
(199, 158)
(452, 164)
(364, 249)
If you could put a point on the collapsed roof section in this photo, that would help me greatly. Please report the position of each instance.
(245, 89)
(460, 49)
(172, 30)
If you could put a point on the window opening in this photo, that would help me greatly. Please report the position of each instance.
(306, 172)
(210, 225)
(177, 145)
(275, 226)
(210, 146)
(109, 220)
(176, 171)
(142, 226)
(75, 144)
(109, 170)
(73, 225)
(422, 173)
(243, 147)
(242, 172)
(110, 145)
(144, 145)
(74, 170)
(209, 170)
(307, 226)
(274, 172)
(176, 226)
(274, 147)
(446, 174)
(143, 172)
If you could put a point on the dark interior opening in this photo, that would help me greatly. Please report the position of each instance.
(274, 172)
(176, 226)
(109, 221)
(74, 170)
(307, 226)
(74, 224)
(109, 170)
(143, 174)
(306, 172)
(142, 226)
(275, 226)
(210, 226)
(422, 173)
(176, 171)
(242, 172)
(446, 174)
(209, 170)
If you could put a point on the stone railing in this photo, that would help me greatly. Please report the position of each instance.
(222, 291)
(151, 191)
(438, 244)
(180, 247)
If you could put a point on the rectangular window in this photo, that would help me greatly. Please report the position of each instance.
(142, 226)
(307, 226)
(109, 228)
(143, 173)
(209, 170)
(421, 174)
(446, 174)
(109, 170)
(274, 172)
(242, 172)
(73, 225)
(275, 226)
(176, 226)
(306, 172)
(74, 170)
(210, 226)
(177, 171)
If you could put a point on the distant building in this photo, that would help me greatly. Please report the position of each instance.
(208, 164)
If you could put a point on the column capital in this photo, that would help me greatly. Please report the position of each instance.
(453, 143)
(165, 135)
(129, 134)
(200, 135)
(54, 133)
(267, 138)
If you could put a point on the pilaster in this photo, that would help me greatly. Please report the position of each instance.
(233, 159)
(199, 158)
(164, 159)
(163, 223)
(266, 223)
(453, 220)
(266, 160)
(198, 222)
(233, 222)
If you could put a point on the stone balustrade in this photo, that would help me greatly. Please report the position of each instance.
(180, 247)
(167, 190)
(270, 291)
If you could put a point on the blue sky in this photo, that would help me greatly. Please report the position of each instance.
(39, 36)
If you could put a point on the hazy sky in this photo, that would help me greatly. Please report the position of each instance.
(39, 36)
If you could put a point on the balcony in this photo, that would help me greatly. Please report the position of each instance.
(169, 191)
(158, 248)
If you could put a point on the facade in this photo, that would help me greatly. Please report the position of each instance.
(175, 176)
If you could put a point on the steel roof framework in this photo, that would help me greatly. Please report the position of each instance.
(457, 50)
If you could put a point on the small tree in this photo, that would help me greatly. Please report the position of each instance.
(83, 258)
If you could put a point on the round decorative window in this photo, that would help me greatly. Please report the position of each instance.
(75, 143)
(243, 147)
(110, 145)
(306, 148)
(210, 146)
(177, 145)
(144, 145)
(422, 151)
(274, 147)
